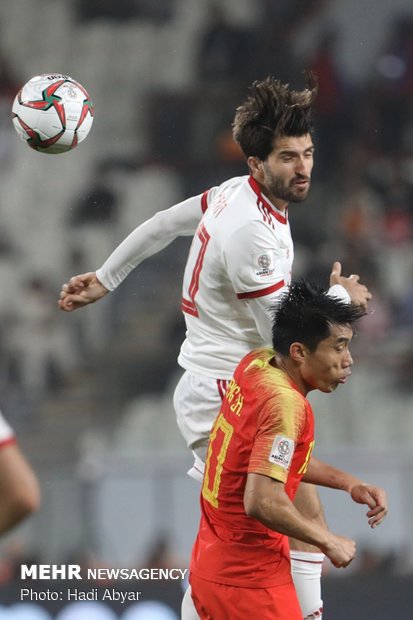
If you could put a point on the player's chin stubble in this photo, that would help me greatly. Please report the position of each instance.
(288, 193)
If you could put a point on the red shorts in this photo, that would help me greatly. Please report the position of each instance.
(215, 601)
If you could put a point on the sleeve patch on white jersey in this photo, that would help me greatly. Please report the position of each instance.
(264, 265)
(282, 451)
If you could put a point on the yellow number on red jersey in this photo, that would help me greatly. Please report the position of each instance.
(221, 434)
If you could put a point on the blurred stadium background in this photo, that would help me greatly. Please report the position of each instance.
(89, 394)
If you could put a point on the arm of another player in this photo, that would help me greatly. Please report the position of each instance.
(265, 499)
(348, 289)
(19, 488)
(354, 291)
(147, 239)
(327, 476)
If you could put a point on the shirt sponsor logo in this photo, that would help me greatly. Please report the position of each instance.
(264, 265)
(282, 451)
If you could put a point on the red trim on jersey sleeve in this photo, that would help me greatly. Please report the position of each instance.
(222, 385)
(7, 442)
(263, 202)
(204, 201)
(261, 292)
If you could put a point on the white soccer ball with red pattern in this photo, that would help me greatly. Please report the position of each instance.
(52, 113)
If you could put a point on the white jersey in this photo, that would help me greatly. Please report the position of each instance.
(240, 261)
(242, 250)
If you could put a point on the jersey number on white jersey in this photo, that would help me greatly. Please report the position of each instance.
(194, 266)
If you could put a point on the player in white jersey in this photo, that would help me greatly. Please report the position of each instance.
(239, 263)
(239, 223)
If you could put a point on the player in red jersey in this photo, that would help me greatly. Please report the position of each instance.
(260, 448)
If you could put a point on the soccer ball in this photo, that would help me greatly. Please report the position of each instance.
(52, 113)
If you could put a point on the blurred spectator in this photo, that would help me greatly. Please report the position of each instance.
(9, 87)
(9, 81)
(157, 11)
(224, 50)
(160, 555)
(274, 52)
(98, 204)
(394, 89)
(333, 116)
(288, 10)
(39, 340)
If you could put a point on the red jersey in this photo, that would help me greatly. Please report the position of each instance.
(265, 426)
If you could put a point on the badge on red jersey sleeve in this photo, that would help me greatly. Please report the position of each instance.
(282, 451)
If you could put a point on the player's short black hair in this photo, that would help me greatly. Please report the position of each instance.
(305, 313)
(270, 111)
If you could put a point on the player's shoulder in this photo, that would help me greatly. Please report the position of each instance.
(233, 184)
(256, 360)
(219, 195)
(278, 383)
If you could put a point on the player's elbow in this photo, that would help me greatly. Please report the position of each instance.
(31, 501)
(25, 499)
(17, 508)
(255, 506)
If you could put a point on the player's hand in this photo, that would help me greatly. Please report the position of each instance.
(340, 550)
(359, 293)
(375, 498)
(80, 291)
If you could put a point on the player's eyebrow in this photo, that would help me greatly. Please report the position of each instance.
(287, 151)
(343, 339)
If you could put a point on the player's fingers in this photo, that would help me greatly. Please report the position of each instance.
(365, 496)
(336, 269)
(375, 521)
(377, 518)
(65, 305)
(343, 563)
(72, 287)
(75, 301)
(365, 291)
(376, 511)
(78, 281)
(354, 277)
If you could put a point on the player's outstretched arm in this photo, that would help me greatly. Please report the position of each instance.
(358, 292)
(374, 497)
(80, 291)
(147, 239)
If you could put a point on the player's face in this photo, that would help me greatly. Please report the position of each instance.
(330, 364)
(286, 173)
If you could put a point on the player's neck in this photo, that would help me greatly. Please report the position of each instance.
(276, 203)
(287, 365)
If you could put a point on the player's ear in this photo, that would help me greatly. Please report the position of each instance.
(255, 166)
(298, 352)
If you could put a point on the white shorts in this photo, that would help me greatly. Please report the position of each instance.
(6, 431)
(197, 401)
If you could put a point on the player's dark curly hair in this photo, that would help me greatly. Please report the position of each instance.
(305, 314)
(272, 110)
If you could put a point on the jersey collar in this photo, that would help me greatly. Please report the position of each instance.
(282, 217)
